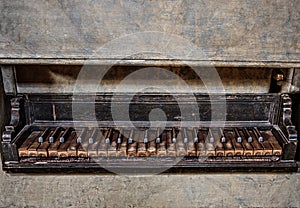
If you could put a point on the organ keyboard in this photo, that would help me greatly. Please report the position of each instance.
(234, 131)
(65, 142)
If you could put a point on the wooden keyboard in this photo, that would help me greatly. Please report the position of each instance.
(64, 142)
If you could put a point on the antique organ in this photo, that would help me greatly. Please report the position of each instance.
(47, 132)
(150, 86)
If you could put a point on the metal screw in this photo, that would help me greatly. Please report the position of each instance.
(239, 139)
(185, 140)
(250, 139)
(61, 139)
(91, 140)
(79, 140)
(223, 139)
(51, 139)
(41, 139)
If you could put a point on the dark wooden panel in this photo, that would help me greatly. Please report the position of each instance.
(256, 109)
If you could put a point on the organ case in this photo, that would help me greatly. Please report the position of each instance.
(251, 131)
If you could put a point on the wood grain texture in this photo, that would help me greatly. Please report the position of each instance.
(203, 190)
(261, 31)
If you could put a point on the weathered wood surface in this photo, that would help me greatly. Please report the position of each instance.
(232, 32)
(203, 190)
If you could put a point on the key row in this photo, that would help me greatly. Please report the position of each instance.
(117, 142)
